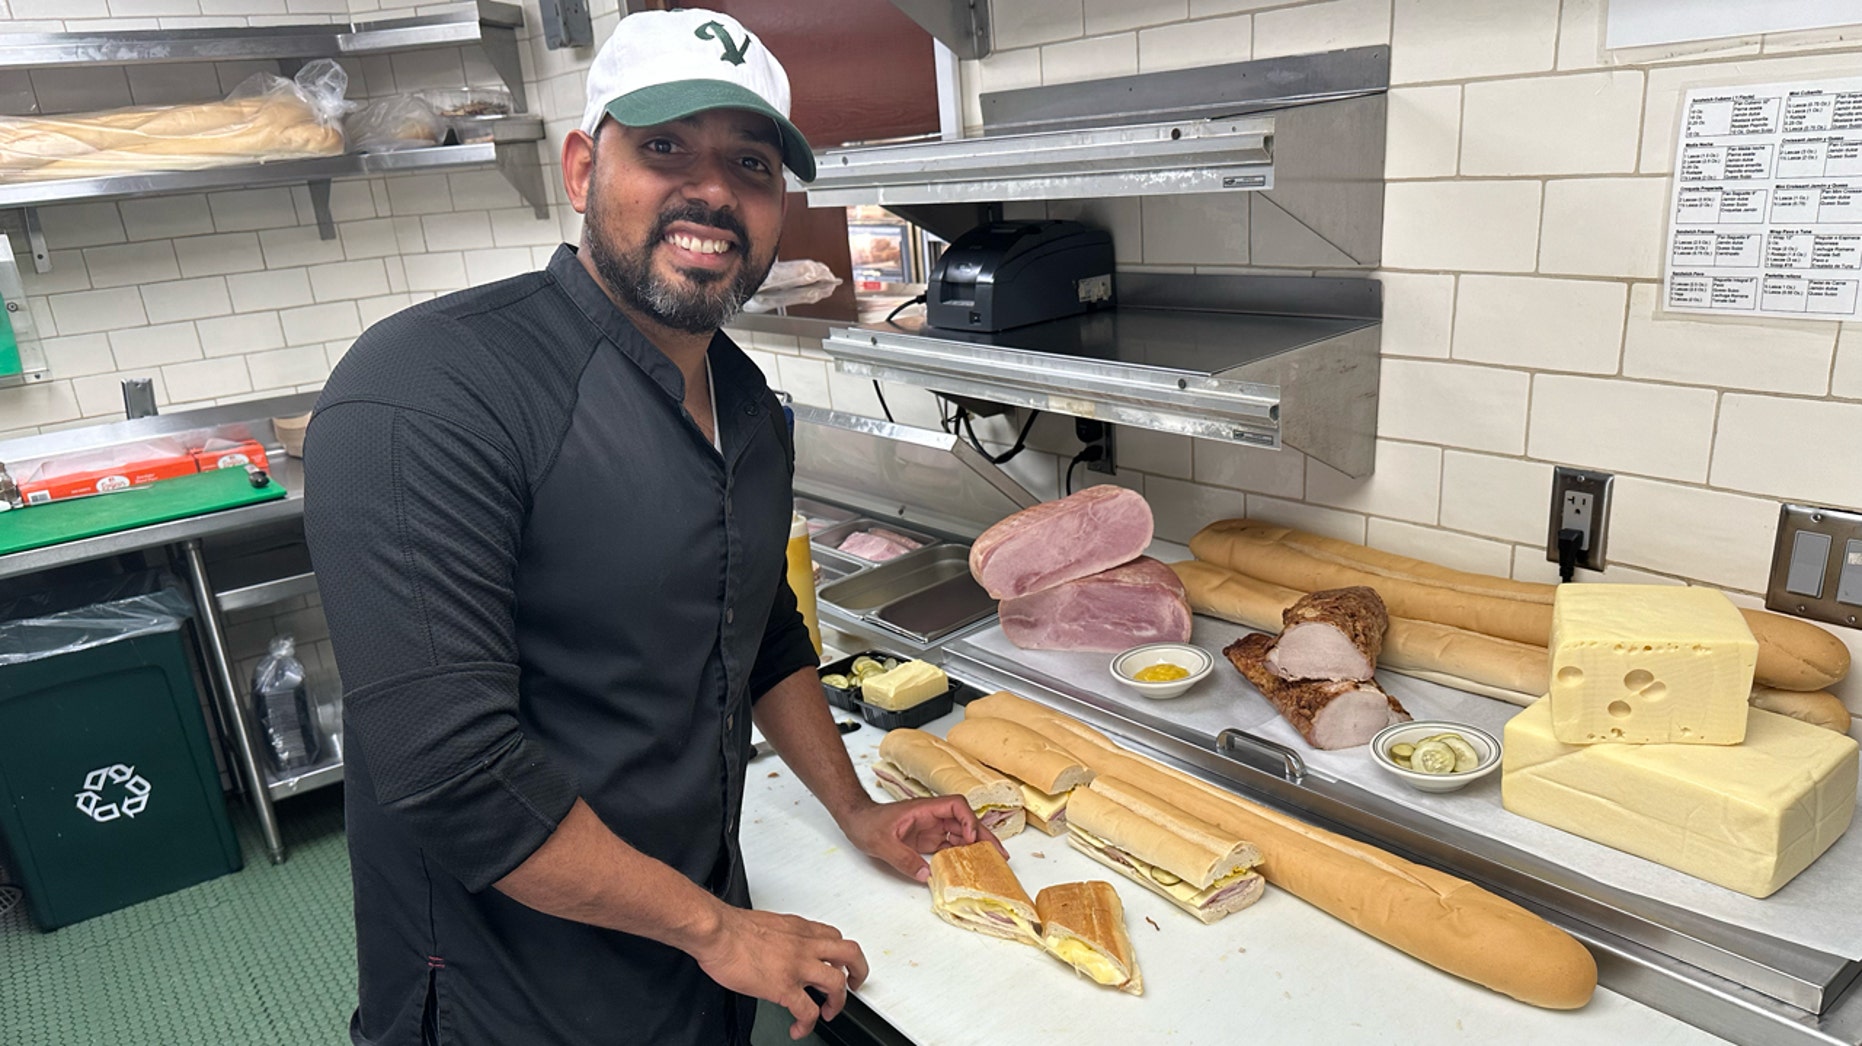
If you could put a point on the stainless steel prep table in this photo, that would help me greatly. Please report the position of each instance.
(1279, 971)
(182, 539)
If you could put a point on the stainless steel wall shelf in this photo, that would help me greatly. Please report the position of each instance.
(1259, 360)
(485, 23)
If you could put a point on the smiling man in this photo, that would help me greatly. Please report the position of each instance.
(548, 518)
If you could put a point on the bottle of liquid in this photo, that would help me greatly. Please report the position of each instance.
(286, 718)
(802, 576)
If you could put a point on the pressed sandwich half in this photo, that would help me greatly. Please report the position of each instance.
(914, 764)
(1048, 773)
(1195, 865)
(972, 887)
(1083, 925)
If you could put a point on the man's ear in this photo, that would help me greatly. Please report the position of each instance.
(578, 164)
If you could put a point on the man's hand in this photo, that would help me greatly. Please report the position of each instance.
(899, 833)
(778, 957)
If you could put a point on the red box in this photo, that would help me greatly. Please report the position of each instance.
(245, 452)
(81, 478)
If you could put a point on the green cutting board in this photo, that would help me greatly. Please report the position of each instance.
(38, 525)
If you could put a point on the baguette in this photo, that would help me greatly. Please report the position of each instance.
(1816, 707)
(973, 888)
(1021, 753)
(1083, 925)
(1435, 917)
(914, 764)
(1793, 654)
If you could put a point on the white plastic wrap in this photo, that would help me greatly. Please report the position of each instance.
(386, 125)
(67, 632)
(266, 118)
(800, 282)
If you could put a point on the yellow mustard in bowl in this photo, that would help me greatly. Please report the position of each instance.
(1163, 672)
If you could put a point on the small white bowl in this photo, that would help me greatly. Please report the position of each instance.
(1196, 659)
(1484, 744)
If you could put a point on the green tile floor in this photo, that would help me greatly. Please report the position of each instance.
(262, 957)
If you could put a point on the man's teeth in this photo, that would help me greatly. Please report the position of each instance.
(693, 243)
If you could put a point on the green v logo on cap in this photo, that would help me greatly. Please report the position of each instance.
(734, 52)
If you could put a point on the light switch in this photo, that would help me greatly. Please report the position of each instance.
(1849, 587)
(1810, 554)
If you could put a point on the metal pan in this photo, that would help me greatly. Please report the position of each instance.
(832, 537)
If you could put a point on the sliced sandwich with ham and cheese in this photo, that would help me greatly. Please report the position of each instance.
(972, 887)
(914, 764)
(1193, 864)
(1047, 772)
(1083, 925)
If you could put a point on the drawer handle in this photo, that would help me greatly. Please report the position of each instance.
(1293, 767)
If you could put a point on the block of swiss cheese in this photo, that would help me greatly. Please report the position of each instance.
(1649, 663)
(1748, 817)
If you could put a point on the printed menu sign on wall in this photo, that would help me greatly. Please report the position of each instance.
(1766, 217)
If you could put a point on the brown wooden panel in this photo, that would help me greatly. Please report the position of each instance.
(859, 70)
(820, 233)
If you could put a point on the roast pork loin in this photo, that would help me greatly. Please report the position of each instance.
(1139, 602)
(1336, 634)
(1327, 713)
(1059, 541)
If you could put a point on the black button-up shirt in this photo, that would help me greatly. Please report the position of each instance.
(542, 582)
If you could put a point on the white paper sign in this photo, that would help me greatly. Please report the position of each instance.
(1766, 216)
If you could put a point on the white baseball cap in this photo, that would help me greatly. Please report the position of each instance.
(660, 66)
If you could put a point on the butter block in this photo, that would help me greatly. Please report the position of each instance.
(912, 683)
(1748, 817)
(1649, 663)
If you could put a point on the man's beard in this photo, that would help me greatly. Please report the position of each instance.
(707, 300)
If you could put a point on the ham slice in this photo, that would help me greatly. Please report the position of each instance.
(1060, 541)
(1139, 602)
(1327, 713)
(1335, 635)
(877, 545)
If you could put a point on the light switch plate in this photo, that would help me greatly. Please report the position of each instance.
(1827, 591)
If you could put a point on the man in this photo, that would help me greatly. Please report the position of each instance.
(548, 518)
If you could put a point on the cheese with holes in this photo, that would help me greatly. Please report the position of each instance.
(1748, 816)
(1649, 663)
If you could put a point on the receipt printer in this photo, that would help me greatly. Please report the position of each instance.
(1010, 274)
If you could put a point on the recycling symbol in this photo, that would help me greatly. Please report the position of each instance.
(129, 787)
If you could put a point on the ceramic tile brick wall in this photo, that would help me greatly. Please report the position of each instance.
(1528, 171)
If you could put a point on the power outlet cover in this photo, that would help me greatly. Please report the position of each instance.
(1581, 499)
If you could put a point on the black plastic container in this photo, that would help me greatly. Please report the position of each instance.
(919, 714)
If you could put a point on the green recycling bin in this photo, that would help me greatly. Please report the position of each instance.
(108, 790)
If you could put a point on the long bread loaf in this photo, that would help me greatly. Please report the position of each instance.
(1793, 654)
(1447, 922)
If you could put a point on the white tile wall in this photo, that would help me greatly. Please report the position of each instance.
(1523, 218)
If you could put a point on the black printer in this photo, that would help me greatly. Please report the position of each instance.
(1011, 274)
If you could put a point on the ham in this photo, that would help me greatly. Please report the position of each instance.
(1327, 713)
(1139, 602)
(877, 545)
(1333, 635)
(1060, 541)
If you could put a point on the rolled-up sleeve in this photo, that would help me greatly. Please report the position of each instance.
(414, 524)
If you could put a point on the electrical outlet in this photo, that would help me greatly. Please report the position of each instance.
(1092, 431)
(1580, 501)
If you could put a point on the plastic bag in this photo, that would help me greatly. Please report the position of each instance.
(800, 282)
(287, 720)
(66, 632)
(265, 118)
(385, 125)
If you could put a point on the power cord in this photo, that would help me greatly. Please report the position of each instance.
(1021, 438)
(906, 304)
(1087, 454)
(1570, 546)
(881, 393)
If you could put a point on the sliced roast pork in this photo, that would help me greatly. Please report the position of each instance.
(1059, 541)
(1139, 602)
(1336, 634)
(1328, 713)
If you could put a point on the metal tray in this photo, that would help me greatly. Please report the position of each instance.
(833, 566)
(831, 538)
(925, 594)
(821, 515)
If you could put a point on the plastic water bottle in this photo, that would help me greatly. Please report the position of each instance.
(286, 717)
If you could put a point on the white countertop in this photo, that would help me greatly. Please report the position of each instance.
(1280, 971)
